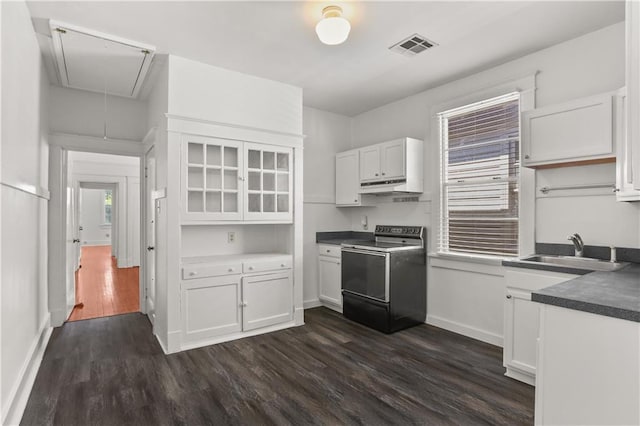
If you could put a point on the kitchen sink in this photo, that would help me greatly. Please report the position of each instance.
(586, 263)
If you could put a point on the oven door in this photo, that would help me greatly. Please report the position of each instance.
(366, 273)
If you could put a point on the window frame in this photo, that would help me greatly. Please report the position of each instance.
(104, 208)
(445, 177)
(526, 86)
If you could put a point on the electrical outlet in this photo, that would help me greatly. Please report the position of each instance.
(231, 237)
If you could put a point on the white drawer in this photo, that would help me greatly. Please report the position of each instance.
(190, 272)
(266, 265)
(329, 250)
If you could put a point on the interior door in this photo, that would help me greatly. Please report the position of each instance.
(150, 218)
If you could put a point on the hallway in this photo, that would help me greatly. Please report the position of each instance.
(102, 287)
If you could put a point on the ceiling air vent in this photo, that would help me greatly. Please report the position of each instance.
(412, 45)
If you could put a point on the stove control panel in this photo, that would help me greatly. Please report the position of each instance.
(399, 231)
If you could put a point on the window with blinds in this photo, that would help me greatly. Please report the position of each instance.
(480, 171)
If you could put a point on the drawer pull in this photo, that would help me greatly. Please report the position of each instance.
(282, 265)
(193, 274)
(230, 269)
(328, 251)
(251, 268)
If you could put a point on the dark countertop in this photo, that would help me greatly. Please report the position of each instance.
(339, 237)
(613, 294)
(516, 263)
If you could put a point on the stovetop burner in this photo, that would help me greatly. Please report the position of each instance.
(392, 238)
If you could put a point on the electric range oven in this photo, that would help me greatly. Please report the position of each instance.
(384, 282)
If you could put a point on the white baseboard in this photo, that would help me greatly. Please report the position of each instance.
(313, 303)
(174, 341)
(162, 344)
(19, 394)
(298, 316)
(466, 330)
(59, 316)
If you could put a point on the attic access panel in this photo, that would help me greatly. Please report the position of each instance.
(89, 60)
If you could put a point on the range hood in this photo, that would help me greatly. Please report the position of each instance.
(391, 186)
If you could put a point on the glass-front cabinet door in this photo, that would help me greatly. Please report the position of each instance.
(269, 182)
(212, 178)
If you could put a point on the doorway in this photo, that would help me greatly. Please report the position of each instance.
(103, 223)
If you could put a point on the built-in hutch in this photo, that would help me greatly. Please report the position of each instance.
(227, 216)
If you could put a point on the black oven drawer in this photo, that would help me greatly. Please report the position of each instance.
(369, 312)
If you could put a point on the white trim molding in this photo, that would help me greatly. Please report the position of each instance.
(86, 143)
(34, 190)
(313, 303)
(465, 330)
(194, 126)
(19, 393)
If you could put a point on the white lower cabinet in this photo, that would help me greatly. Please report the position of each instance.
(228, 295)
(211, 307)
(588, 369)
(330, 276)
(521, 318)
(267, 300)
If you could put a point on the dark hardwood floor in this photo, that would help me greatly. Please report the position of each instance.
(331, 371)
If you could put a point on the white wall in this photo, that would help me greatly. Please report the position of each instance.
(326, 134)
(125, 172)
(196, 90)
(465, 297)
(83, 113)
(24, 313)
(95, 232)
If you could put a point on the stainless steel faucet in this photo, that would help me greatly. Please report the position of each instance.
(578, 244)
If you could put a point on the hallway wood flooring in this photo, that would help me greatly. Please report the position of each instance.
(102, 287)
(111, 371)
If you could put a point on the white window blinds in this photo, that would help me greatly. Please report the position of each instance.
(480, 173)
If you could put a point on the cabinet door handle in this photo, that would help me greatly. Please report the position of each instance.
(616, 189)
(383, 173)
(251, 268)
(376, 174)
(230, 269)
(282, 265)
(508, 296)
(328, 251)
(355, 201)
(526, 157)
(193, 274)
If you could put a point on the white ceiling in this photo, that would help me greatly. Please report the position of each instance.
(276, 40)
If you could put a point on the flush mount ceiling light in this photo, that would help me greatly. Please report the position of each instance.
(333, 28)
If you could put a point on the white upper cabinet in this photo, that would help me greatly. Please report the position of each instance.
(632, 124)
(624, 153)
(226, 180)
(393, 160)
(370, 163)
(580, 131)
(211, 177)
(348, 179)
(268, 175)
(383, 161)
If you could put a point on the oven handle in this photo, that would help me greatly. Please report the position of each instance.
(360, 251)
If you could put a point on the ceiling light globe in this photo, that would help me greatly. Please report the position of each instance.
(333, 30)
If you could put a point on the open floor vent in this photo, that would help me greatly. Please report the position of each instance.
(412, 45)
(89, 60)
